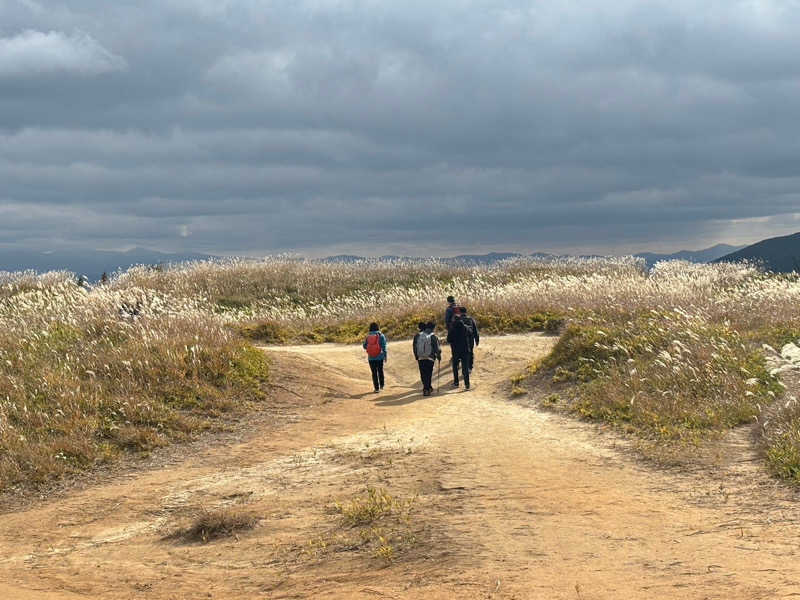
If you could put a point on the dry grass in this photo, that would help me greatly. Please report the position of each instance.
(375, 523)
(283, 301)
(668, 376)
(80, 384)
(372, 506)
(671, 355)
(780, 421)
(211, 525)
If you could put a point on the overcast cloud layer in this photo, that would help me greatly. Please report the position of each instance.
(257, 126)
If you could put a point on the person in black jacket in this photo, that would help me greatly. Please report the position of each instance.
(459, 339)
(449, 312)
(472, 331)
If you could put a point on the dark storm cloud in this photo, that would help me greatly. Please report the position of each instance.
(259, 126)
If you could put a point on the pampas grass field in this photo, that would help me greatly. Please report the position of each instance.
(672, 355)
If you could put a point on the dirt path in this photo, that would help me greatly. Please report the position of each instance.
(510, 503)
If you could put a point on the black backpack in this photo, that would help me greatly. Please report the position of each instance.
(469, 327)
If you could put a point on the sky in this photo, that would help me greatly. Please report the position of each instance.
(417, 128)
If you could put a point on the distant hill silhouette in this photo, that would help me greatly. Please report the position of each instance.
(651, 258)
(87, 262)
(695, 256)
(778, 254)
(475, 259)
(93, 263)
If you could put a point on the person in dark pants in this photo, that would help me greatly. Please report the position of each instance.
(472, 332)
(459, 341)
(427, 352)
(375, 345)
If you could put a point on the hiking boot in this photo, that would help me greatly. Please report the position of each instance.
(466, 388)
(455, 385)
(377, 390)
(426, 392)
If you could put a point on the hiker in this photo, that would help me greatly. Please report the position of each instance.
(459, 339)
(375, 345)
(426, 352)
(130, 311)
(83, 283)
(450, 312)
(472, 331)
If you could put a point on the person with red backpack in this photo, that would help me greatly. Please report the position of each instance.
(375, 345)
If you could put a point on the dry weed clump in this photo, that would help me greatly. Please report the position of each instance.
(211, 525)
(378, 522)
(368, 508)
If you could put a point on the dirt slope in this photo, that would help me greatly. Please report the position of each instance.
(512, 503)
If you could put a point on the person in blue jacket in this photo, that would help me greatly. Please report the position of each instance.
(375, 345)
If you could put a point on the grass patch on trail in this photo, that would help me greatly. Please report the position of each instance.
(668, 377)
(372, 506)
(211, 525)
(374, 523)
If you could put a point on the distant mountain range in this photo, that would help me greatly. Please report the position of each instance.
(651, 258)
(476, 259)
(86, 262)
(778, 254)
(695, 256)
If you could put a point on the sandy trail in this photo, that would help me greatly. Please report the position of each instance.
(512, 503)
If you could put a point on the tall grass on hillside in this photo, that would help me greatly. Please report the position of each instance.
(80, 382)
(280, 300)
(671, 354)
(780, 422)
(15, 282)
(669, 375)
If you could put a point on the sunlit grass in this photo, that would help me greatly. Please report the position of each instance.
(81, 383)
(669, 354)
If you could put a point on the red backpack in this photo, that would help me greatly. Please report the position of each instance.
(374, 345)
